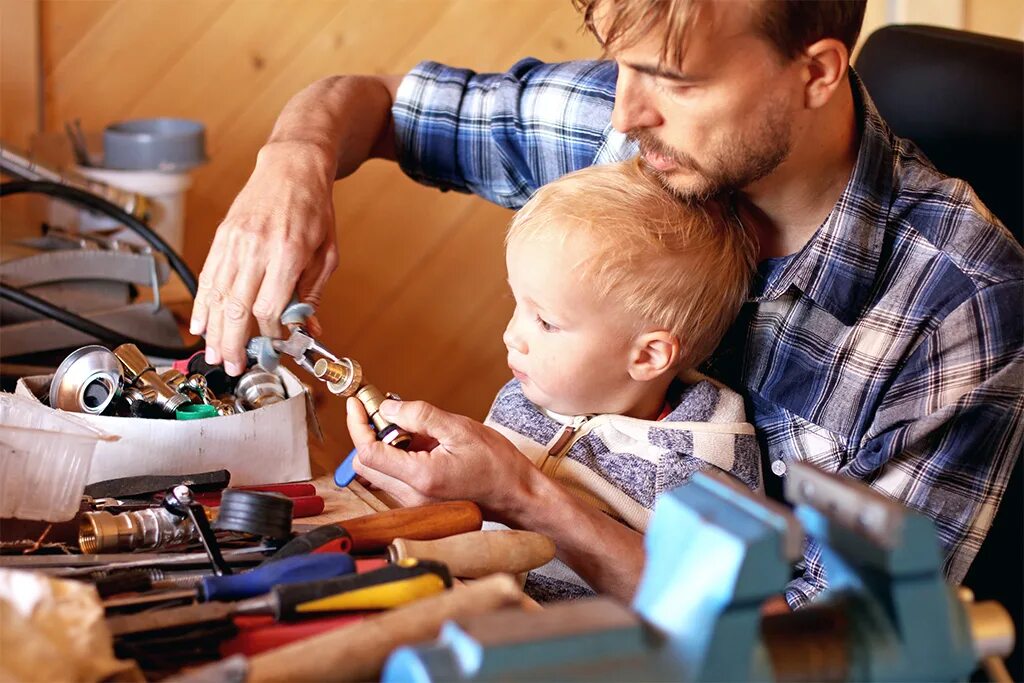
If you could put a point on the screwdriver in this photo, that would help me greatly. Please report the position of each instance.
(384, 588)
(259, 581)
(373, 533)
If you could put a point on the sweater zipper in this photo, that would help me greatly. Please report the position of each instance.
(565, 439)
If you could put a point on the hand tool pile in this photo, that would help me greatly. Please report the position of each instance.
(260, 582)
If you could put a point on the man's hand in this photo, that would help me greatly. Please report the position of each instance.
(452, 457)
(277, 239)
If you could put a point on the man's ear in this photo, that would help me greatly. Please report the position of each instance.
(653, 354)
(826, 64)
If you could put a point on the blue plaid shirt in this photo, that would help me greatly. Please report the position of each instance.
(890, 348)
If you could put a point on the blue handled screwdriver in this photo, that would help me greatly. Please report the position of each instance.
(259, 581)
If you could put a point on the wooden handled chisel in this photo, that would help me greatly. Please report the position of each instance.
(480, 553)
(373, 533)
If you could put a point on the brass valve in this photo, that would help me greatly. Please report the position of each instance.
(371, 398)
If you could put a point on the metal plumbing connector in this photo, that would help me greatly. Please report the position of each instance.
(139, 373)
(258, 388)
(343, 377)
(371, 397)
(156, 527)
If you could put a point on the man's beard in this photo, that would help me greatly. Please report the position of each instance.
(736, 163)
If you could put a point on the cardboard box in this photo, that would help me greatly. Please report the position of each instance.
(261, 446)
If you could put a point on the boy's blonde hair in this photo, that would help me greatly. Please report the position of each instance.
(682, 267)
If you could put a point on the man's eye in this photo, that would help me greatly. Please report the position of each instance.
(545, 325)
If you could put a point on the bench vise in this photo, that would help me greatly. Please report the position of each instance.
(715, 553)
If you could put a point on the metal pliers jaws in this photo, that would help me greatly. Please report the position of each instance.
(299, 345)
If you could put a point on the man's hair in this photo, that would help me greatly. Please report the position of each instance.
(789, 25)
(679, 266)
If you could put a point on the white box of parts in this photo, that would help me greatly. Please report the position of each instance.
(262, 446)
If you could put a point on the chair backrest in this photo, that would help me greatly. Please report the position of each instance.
(960, 97)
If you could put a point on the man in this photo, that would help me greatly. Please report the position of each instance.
(884, 337)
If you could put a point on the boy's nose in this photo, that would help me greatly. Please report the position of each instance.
(513, 341)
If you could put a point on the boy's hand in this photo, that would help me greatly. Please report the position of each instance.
(451, 457)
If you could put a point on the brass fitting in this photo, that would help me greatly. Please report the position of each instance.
(139, 373)
(371, 398)
(103, 532)
(343, 377)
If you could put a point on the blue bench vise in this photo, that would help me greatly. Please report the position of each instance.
(715, 553)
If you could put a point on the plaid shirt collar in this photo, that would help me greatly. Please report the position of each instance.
(837, 268)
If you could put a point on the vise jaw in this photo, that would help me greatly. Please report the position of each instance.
(715, 553)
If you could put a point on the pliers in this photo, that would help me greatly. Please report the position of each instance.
(343, 376)
(299, 344)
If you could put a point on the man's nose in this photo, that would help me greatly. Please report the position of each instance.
(633, 107)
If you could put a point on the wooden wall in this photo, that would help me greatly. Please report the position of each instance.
(419, 297)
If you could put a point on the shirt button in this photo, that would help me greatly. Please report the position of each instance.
(779, 468)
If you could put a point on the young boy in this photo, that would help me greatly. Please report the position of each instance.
(621, 291)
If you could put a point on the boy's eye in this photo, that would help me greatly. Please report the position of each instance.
(545, 325)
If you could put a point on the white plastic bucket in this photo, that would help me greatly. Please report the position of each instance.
(167, 213)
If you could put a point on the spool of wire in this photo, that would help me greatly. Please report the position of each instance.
(255, 512)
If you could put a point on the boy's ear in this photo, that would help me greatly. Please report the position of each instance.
(654, 353)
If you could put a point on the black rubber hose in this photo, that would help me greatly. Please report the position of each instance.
(65, 317)
(91, 201)
(86, 326)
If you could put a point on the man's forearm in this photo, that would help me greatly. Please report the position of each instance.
(341, 121)
(607, 554)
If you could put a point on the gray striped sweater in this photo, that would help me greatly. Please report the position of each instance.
(621, 464)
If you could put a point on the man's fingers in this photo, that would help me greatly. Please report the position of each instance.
(391, 461)
(236, 311)
(201, 306)
(314, 278)
(215, 315)
(423, 418)
(314, 327)
(275, 293)
(406, 494)
(358, 423)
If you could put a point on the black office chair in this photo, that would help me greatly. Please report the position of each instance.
(960, 97)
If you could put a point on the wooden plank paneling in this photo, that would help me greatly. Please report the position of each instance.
(20, 97)
(19, 71)
(420, 296)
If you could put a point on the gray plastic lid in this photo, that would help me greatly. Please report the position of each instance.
(170, 145)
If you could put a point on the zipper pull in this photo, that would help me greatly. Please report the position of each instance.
(566, 435)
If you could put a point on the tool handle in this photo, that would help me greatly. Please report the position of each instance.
(326, 538)
(144, 485)
(479, 553)
(298, 569)
(357, 652)
(373, 533)
(294, 490)
(391, 586)
(346, 471)
(307, 506)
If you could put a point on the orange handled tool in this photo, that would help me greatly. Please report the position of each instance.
(374, 533)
